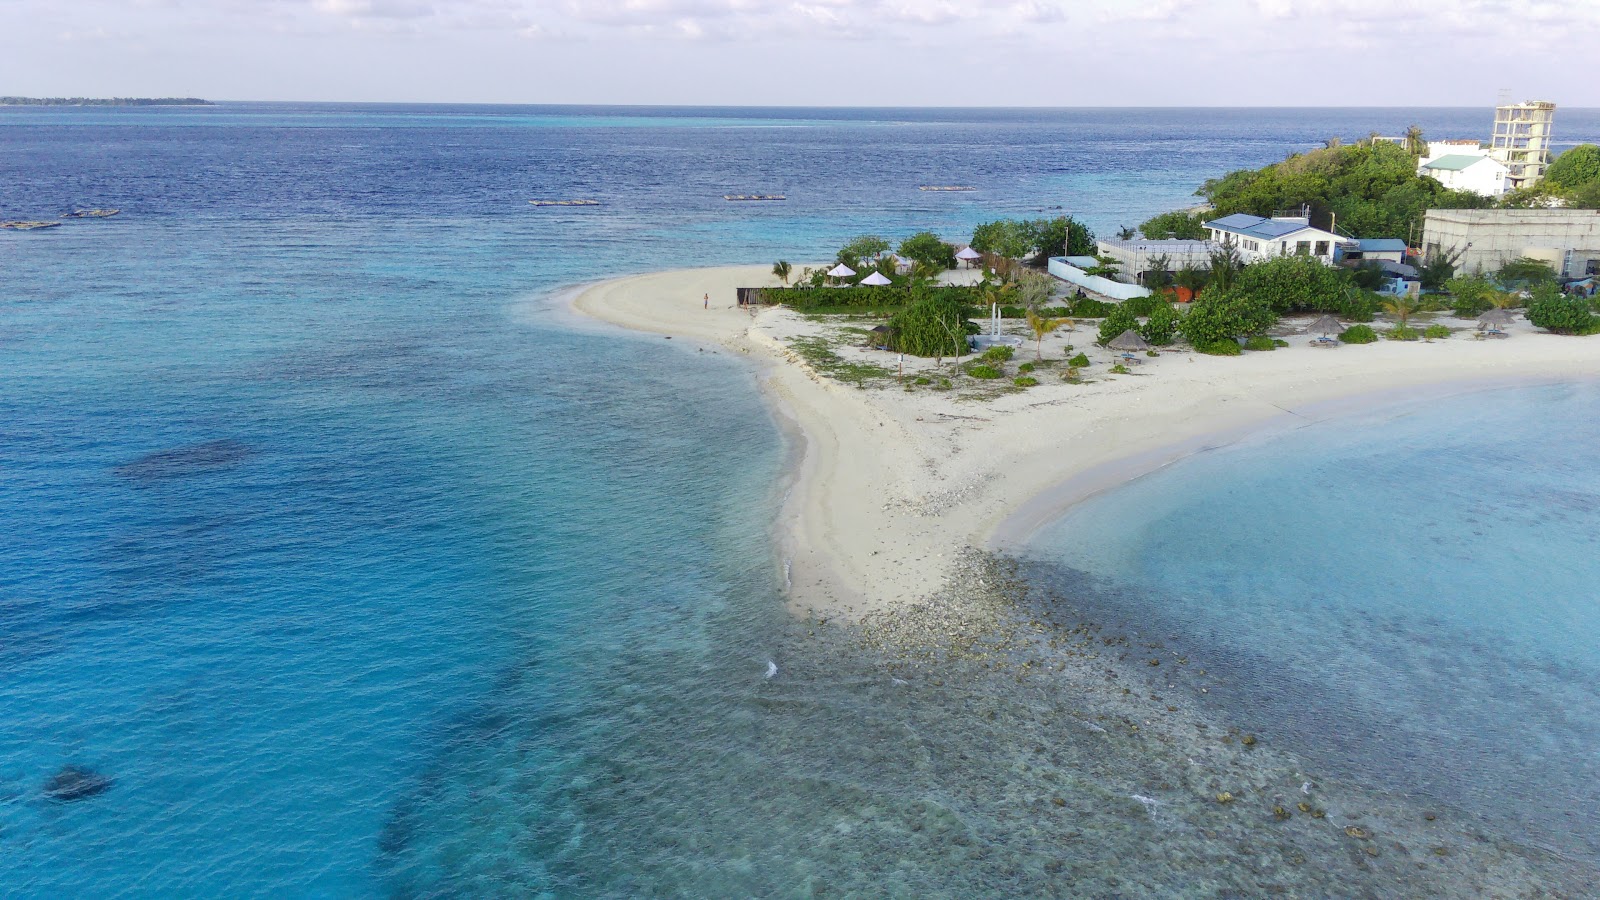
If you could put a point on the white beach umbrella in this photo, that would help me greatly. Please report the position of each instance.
(876, 279)
(968, 254)
(841, 271)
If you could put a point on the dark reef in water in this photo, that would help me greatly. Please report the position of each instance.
(189, 460)
(76, 783)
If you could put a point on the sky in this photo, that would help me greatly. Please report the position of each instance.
(811, 52)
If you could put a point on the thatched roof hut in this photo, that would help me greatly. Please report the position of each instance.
(1129, 341)
(1325, 326)
(1495, 318)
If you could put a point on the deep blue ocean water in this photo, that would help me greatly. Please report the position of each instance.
(363, 570)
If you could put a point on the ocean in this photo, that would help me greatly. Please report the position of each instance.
(360, 568)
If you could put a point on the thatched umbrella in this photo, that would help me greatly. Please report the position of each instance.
(1325, 326)
(1495, 318)
(1129, 341)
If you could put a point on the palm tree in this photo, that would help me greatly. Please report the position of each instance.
(1041, 326)
(1415, 145)
(1404, 307)
(1126, 233)
(781, 268)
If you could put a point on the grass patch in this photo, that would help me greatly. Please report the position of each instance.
(818, 353)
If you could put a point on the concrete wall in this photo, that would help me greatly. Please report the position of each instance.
(1490, 238)
(1116, 290)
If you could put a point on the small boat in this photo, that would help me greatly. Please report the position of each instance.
(565, 202)
(27, 226)
(90, 214)
(754, 197)
(946, 188)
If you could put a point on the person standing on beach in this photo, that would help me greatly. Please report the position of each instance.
(708, 301)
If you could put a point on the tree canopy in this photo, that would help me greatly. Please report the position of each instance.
(925, 247)
(1370, 188)
(934, 325)
(1017, 238)
(1189, 226)
(1575, 168)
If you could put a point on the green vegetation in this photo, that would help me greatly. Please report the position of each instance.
(1115, 324)
(1016, 238)
(1299, 284)
(1435, 332)
(1525, 274)
(1143, 306)
(1574, 168)
(1162, 325)
(1260, 342)
(1078, 362)
(999, 353)
(1471, 295)
(1026, 381)
(1090, 308)
(1041, 326)
(1180, 225)
(818, 353)
(933, 326)
(1574, 177)
(1371, 187)
(983, 371)
(781, 268)
(867, 246)
(1221, 316)
(1227, 347)
(1358, 334)
(1561, 313)
(1025, 368)
(1120, 369)
(1402, 332)
(925, 247)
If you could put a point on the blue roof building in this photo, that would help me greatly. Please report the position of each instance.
(1258, 238)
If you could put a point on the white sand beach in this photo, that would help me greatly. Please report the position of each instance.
(890, 482)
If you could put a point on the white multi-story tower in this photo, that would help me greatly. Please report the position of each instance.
(1522, 139)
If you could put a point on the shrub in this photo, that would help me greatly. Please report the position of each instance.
(1142, 306)
(1358, 334)
(1162, 325)
(1025, 368)
(1152, 353)
(1090, 308)
(979, 370)
(1355, 305)
(923, 379)
(1259, 342)
(1025, 381)
(1471, 295)
(1434, 332)
(1222, 315)
(1120, 369)
(1115, 324)
(1224, 347)
(925, 247)
(999, 353)
(1402, 333)
(1071, 374)
(1560, 313)
(1279, 343)
(932, 326)
(1079, 361)
(944, 384)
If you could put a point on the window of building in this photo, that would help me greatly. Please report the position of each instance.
(1322, 248)
(1302, 248)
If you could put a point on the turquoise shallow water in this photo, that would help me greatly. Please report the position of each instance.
(361, 572)
(1408, 598)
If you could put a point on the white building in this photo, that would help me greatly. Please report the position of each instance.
(1258, 239)
(1486, 239)
(1480, 174)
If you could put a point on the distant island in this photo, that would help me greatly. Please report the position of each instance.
(104, 101)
